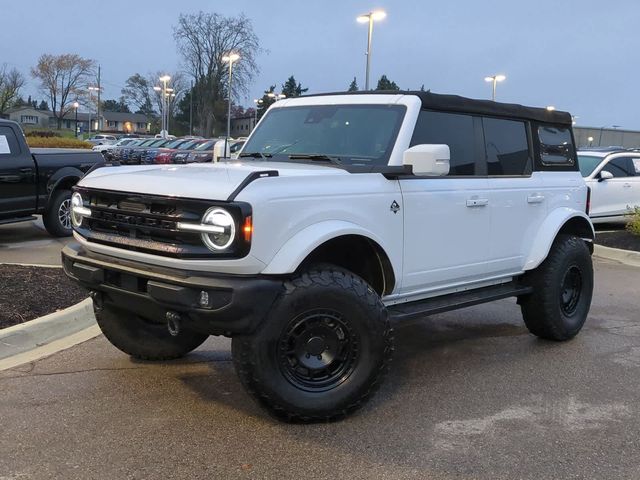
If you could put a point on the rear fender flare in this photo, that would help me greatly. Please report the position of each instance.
(550, 229)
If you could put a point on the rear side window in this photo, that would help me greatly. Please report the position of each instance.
(450, 129)
(556, 145)
(507, 147)
(8, 143)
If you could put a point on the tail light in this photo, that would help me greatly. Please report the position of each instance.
(588, 205)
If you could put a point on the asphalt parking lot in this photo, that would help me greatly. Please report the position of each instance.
(470, 395)
(29, 242)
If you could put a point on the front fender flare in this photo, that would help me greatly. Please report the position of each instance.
(297, 248)
(549, 231)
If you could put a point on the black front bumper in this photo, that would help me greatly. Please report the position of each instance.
(236, 304)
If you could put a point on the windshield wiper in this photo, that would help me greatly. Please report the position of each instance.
(316, 157)
(255, 155)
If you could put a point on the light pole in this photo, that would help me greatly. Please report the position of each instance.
(232, 57)
(164, 79)
(590, 140)
(91, 90)
(494, 79)
(257, 101)
(370, 18)
(75, 106)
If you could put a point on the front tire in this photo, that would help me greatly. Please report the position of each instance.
(57, 218)
(562, 291)
(144, 339)
(322, 350)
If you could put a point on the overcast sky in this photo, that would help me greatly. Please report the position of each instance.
(581, 56)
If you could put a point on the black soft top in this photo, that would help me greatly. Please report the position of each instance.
(456, 103)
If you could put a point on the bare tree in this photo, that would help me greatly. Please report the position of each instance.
(178, 85)
(11, 81)
(138, 92)
(203, 40)
(63, 78)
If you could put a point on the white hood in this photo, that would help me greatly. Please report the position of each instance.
(212, 181)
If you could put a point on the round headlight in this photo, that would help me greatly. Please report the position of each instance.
(217, 217)
(76, 203)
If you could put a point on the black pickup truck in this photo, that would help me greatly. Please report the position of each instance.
(39, 181)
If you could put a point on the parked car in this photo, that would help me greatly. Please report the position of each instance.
(346, 210)
(39, 181)
(234, 145)
(106, 149)
(180, 156)
(137, 153)
(163, 153)
(121, 154)
(201, 154)
(613, 177)
(101, 139)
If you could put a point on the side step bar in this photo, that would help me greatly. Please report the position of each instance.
(17, 220)
(454, 301)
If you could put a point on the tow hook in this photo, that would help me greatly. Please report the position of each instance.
(173, 323)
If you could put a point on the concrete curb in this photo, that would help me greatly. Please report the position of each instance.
(627, 257)
(47, 335)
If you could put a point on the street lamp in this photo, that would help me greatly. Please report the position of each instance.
(163, 104)
(370, 18)
(590, 140)
(75, 106)
(550, 108)
(91, 90)
(232, 57)
(494, 79)
(258, 102)
(276, 96)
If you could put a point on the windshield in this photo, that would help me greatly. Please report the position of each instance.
(352, 134)
(208, 145)
(588, 164)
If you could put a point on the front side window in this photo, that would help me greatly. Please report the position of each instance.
(350, 134)
(506, 146)
(620, 167)
(450, 129)
(556, 145)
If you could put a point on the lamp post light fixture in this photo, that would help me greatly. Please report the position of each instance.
(550, 108)
(75, 106)
(276, 96)
(163, 105)
(369, 18)
(494, 79)
(590, 140)
(230, 58)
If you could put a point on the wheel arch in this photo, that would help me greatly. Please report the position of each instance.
(342, 244)
(63, 179)
(561, 221)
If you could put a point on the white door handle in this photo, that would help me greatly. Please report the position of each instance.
(477, 202)
(537, 198)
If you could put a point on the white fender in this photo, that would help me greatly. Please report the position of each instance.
(298, 247)
(548, 232)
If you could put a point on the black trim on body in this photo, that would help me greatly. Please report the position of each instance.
(250, 178)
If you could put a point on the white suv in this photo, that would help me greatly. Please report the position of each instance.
(613, 176)
(343, 211)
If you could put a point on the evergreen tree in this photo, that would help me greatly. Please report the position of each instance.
(43, 105)
(266, 101)
(385, 84)
(292, 89)
(20, 102)
(353, 86)
(422, 88)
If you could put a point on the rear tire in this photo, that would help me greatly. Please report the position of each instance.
(322, 350)
(144, 339)
(562, 291)
(57, 218)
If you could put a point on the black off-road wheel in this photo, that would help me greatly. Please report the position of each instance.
(562, 291)
(57, 218)
(144, 339)
(322, 350)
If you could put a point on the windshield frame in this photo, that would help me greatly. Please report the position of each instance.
(346, 162)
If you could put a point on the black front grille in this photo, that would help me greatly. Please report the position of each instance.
(148, 223)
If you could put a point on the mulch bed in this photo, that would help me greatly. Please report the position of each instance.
(620, 239)
(31, 292)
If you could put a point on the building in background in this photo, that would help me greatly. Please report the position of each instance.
(242, 126)
(606, 137)
(112, 122)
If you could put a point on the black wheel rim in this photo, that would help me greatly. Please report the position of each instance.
(570, 290)
(318, 350)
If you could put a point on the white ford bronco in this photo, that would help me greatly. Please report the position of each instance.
(343, 214)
